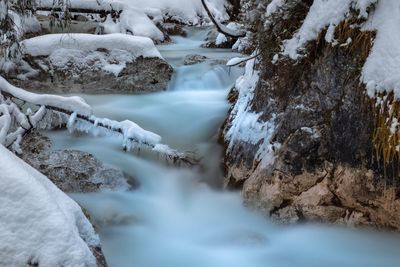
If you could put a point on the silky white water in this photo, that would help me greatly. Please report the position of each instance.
(178, 217)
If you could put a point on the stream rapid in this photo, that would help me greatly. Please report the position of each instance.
(180, 217)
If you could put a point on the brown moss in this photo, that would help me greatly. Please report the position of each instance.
(386, 135)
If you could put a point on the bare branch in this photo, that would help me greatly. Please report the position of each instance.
(220, 27)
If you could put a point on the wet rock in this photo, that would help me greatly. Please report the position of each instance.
(194, 59)
(142, 75)
(71, 170)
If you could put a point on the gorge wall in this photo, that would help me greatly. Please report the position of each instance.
(301, 135)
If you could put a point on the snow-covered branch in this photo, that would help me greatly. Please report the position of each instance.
(239, 60)
(14, 123)
(222, 28)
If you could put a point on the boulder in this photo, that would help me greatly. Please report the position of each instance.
(194, 59)
(72, 171)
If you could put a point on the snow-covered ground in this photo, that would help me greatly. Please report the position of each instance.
(136, 14)
(38, 222)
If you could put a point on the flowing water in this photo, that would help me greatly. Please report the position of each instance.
(178, 217)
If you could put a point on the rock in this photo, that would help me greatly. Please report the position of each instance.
(71, 170)
(339, 194)
(322, 169)
(78, 24)
(194, 59)
(173, 29)
(142, 75)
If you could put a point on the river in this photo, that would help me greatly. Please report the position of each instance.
(180, 217)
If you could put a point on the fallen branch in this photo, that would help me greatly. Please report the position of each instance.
(78, 111)
(220, 27)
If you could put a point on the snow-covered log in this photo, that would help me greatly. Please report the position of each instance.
(14, 123)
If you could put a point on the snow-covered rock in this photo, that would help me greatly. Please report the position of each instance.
(108, 63)
(39, 224)
(46, 45)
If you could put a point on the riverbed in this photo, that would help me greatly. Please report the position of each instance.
(180, 216)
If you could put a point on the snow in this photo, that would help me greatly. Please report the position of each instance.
(74, 61)
(246, 125)
(75, 53)
(362, 6)
(322, 14)
(114, 68)
(221, 38)
(273, 7)
(45, 45)
(381, 71)
(133, 135)
(232, 28)
(74, 103)
(38, 222)
(131, 130)
(133, 21)
(187, 11)
(237, 60)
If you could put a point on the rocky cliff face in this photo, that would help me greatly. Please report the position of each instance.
(313, 158)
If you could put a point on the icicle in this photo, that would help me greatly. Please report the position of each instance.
(71, 121)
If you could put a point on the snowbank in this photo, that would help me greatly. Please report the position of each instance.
(38, 222)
